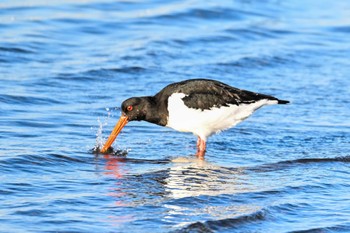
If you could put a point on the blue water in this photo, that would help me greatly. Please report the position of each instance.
(66, 66)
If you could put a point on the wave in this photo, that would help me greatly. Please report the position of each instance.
(30, 163)
(258, 218)
(96, 74)
(212, 13)
(27, 100)
(341, 29)
(291, 163)
(336, 228)
(127, 69)
(120, 156)
(218, 225)
(263, 61)
(16, 50)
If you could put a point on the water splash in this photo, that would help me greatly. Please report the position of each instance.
(100, 139)
(99, 134)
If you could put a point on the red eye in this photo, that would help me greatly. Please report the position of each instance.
(129, 108)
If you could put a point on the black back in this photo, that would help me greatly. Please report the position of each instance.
(205, 94)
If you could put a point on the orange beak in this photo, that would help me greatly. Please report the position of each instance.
(117, 128)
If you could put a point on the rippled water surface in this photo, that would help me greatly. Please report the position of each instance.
(66, 66)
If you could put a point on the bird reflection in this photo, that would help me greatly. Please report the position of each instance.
(179, 188)
(112, 166)
(197, 177)
(201, 190)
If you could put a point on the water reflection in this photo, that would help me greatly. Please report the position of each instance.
(181, 177)
(178, 190)
(113, 165)
(199, 190)
(197, 177)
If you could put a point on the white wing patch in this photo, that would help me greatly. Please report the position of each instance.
(204, 123)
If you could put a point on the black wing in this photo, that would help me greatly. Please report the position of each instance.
(205, 94)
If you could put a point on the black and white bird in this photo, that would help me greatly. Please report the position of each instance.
(200, 106)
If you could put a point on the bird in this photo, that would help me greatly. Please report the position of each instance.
(199, 106)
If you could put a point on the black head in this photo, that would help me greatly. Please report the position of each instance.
(135, 108)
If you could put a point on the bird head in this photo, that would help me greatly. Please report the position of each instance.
(133, 109)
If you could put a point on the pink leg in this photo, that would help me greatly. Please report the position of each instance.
(201, 146)
(198, 142)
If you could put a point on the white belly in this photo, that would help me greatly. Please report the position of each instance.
(204, 123)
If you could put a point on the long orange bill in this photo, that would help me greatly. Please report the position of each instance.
(117, 128)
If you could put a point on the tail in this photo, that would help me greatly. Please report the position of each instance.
(283, 101)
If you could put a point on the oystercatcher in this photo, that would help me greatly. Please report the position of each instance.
(200, 106)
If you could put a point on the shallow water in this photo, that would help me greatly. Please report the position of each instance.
(65, 67)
